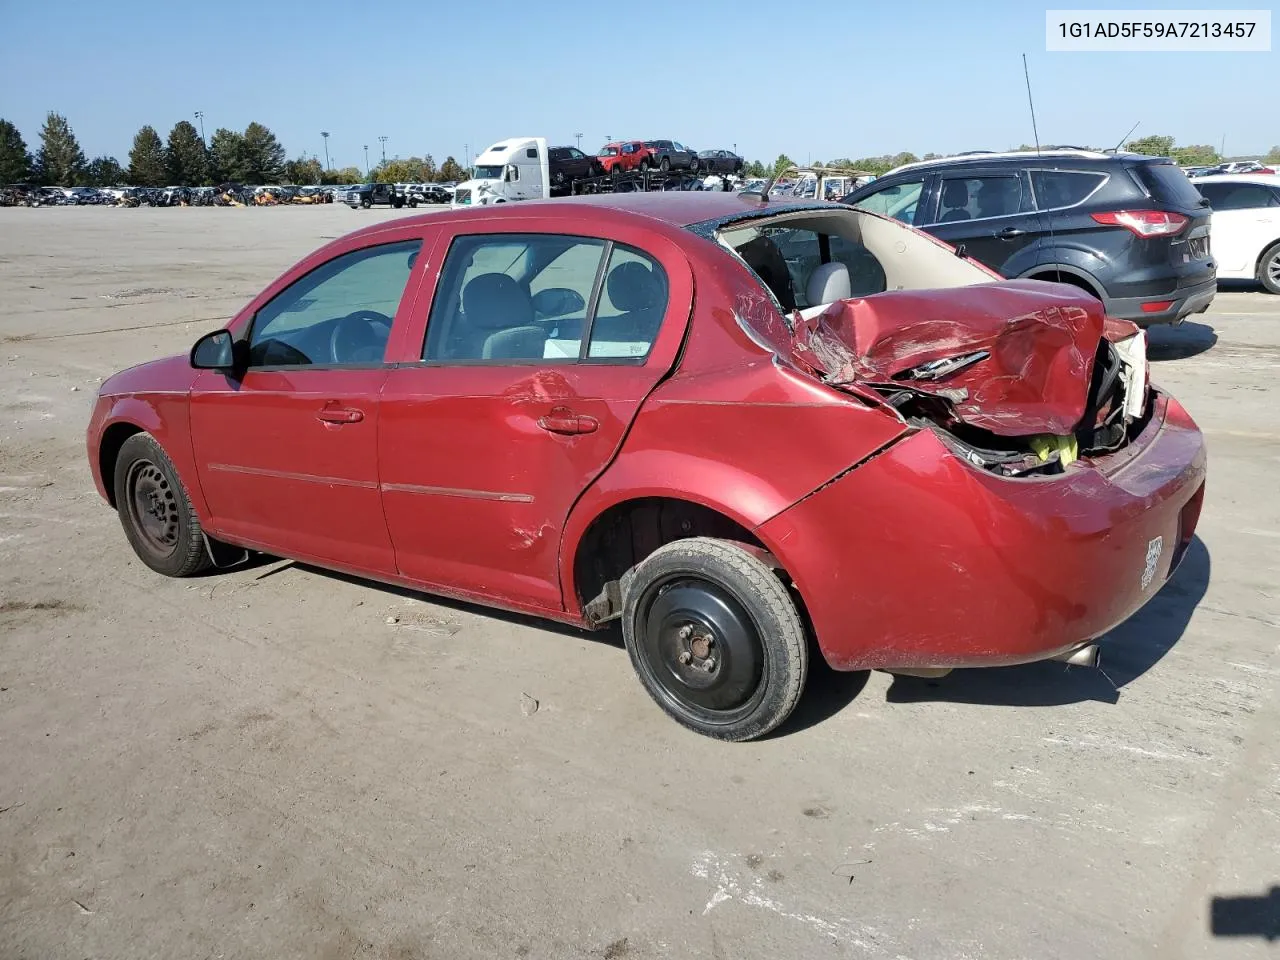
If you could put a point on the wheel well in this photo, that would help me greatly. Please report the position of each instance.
(112, 440)
(1266, 248)
(1059, 276)
(628, 532)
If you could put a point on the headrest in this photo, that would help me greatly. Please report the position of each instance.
(632, 286)
(828, 283)
(955, 193)
(493, 301)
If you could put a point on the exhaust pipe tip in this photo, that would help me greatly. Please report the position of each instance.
(1089, 655)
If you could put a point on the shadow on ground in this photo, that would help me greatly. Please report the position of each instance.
(1189, 338)
(1128, 651)
(1246, 916)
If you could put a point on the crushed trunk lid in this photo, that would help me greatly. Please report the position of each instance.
(1014, 358)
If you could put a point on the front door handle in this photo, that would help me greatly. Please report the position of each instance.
(340, 415)
(564, 420)
(1008, 233)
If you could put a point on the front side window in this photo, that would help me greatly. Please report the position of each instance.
(339, 313)
(529, 297)
(899, 201)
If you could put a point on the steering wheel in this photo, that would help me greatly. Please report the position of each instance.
(359, 337)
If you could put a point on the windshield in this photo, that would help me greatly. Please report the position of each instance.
(488, 173)
(608, 152)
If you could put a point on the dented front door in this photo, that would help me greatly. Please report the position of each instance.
(481, 460)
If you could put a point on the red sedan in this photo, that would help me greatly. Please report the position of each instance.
(731, 424)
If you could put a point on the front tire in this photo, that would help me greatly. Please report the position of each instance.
(1269, 269)
(665, 164)
(366, 204)
(715, 638)
(157, 516)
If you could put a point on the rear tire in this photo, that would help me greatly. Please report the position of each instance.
(157, 516)
(1269, 269)
(715, 638)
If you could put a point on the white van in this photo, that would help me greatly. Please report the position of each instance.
(512, 169)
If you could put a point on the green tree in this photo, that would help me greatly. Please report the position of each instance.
(1273, 156)
(60, 161)
(781, 164)
(429, 171)
(147, 167)
(413, 170)
(263, 155)
(227, 156)
(755, 169)
(1196, 155)
(185, 156)
(304, 171)
(104, 172)
(1152, 146)
(15, 161)
(347, 175)
(450, 170)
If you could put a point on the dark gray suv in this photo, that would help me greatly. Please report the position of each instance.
(1130, 229)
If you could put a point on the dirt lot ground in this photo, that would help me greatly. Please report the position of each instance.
(259, 764)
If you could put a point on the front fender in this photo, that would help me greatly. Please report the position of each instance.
(166, 417)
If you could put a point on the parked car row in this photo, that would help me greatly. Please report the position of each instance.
(226, 195)
(1238, 166)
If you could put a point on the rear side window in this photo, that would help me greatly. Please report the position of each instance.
(1063, 188)
(979, 198)
(535, 297)
(1238, 196)
(1167, 184)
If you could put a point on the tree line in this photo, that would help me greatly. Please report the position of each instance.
(252, 156)
(255, 156)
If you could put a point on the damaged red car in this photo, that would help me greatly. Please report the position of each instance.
(735, 426)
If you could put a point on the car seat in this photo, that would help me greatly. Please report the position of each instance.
(640, 296)
(828, 283)
(497, 315)
(955, 197)
(766, 260)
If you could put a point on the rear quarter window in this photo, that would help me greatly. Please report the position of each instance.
(1167, 184)
(1063, 188)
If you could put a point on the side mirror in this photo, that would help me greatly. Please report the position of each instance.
(214, 351)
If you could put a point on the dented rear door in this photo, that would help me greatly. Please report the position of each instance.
(484, 450)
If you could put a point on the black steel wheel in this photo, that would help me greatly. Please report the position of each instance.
(158, 519)
(1269, 269)
(715, 638)
(665, 164)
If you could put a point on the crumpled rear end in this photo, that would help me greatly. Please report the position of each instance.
(1025, 350)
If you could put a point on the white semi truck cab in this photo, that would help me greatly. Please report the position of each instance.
(512, 169)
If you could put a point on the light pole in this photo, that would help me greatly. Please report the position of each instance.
(325, 134)
(366, 160)
(200, 117)
(384, 150)
(579, 136)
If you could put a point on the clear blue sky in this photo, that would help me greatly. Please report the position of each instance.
(817, 80)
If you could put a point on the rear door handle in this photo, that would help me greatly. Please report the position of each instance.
(340, 415)
(1008, 233)
(563, 420)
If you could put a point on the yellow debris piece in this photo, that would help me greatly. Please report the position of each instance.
(1046, 444)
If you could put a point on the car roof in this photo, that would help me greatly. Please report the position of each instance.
(1018, 156)
(675, 208)
(1266, 179)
